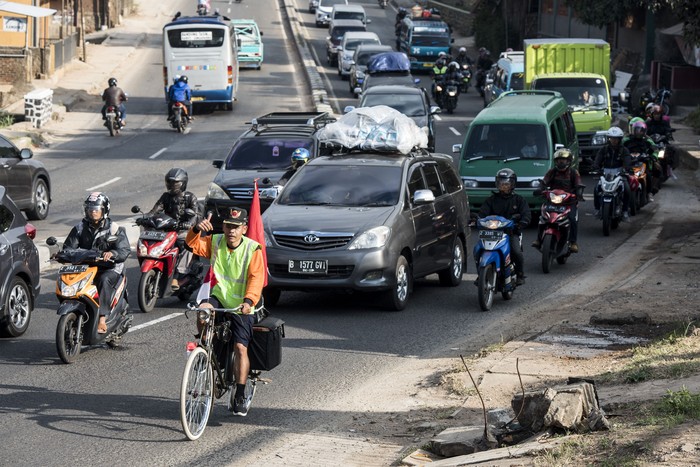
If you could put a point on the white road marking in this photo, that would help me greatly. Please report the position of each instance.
(155, 321)
(437, 117)
(158, 153)
(455, 131)
(103, 184)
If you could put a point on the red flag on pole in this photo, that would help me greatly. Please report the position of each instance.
(255, 225)
(209, 282)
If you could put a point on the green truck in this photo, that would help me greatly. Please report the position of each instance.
(579, 69)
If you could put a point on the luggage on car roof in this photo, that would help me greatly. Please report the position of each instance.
(389, 61)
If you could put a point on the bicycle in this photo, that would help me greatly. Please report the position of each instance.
(205, 378)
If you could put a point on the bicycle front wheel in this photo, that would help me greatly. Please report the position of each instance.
(196, 394)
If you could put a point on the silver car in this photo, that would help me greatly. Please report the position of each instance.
(323, 11)
(346, 50)
(368, 223)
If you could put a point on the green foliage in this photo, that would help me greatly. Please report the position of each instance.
(693, 119)
(681, 403)
(6, 120)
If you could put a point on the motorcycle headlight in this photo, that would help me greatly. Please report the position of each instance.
(661, 153)
(372, 238)
(158, 251)
(438, 88)
(556, 199)
(73, 289)
(216, 192)
(452, 93)
(203, 316)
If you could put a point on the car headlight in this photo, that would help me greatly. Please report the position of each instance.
(216, 192)
(599, 140)
(372, 238)
(470, 183)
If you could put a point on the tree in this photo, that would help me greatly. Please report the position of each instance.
(600, 13)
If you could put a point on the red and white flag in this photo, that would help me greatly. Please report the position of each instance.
(255, 225)
(209, 282)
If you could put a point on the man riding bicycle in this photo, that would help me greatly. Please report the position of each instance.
(239, 270)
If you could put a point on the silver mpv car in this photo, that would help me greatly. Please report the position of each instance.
(370, 223)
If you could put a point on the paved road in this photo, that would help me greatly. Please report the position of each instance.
(121, 406)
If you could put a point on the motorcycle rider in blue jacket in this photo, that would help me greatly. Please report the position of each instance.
(180, 92)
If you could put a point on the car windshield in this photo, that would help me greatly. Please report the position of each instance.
(580, 93)
(330, 3)
(352, 186)
(261, 153)
(364, 57)
(352, 44)
(183, 38)
(339, 32)
(410, 105)
(358, 15)
(430, 41)
(516, 81)
(507, 141)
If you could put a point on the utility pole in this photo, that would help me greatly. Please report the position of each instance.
(82, 30)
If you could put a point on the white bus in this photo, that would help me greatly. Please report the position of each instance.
(204, 48)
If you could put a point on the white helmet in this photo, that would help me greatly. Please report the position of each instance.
(462, 50)
(615, 132)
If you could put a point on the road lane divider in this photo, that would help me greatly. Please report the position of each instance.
(153, 156)
(108, 182)
(155, 321)
(454, 130)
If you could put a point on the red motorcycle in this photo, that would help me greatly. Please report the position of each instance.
(158, 253)
(554, 226)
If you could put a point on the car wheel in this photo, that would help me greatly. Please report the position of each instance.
(397, 297)
(452, 276)
(40, 201)
(18, 306)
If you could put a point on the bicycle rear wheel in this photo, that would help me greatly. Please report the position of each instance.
(196, 394)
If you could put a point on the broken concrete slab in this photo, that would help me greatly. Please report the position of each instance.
(457, 441)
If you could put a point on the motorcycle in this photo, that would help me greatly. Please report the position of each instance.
(640, 191)
(661, 96)
(554, 226)
(178, 119)
(611, 189)
(495, 268)
(383, 3)
(158, 253)
(466, 77)
(79, 303)
(667, 154)
(113, 120)
(480, 81)
(451, 96)
(440, 91)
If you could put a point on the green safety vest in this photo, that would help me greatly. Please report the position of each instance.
(439, 71)
(231, 269)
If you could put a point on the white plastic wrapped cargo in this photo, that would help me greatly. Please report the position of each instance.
(379, 128)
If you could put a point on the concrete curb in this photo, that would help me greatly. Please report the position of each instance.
(318, 90)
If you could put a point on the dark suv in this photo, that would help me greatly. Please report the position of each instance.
(19, 269)
(263, 152)
(368, 222)
(27, 181)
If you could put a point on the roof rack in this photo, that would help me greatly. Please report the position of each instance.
(315, 119)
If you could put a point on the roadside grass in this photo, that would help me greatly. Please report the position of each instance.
(631, 442)
(693, 119)
(6, 120)
(676, 355)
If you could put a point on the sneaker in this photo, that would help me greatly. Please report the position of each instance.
(573, 247)
(520, 279)
(241, 405)
(625, 216)
(536, 244)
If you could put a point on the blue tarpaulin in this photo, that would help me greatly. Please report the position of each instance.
(389, 61)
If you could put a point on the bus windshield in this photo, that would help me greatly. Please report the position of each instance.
(187, 38)
(430, 41)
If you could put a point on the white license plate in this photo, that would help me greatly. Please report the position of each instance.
(197, 99)
(305, 266)
(152, 235)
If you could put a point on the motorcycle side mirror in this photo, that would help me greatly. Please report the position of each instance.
(51, 241)
(135, 209)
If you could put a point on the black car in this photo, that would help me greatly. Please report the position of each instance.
(368, 222)
(27, 181)
(19, 269)
(263, 152)
(411, 101)
(360, 59)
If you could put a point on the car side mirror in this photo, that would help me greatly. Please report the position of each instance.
(26, 153)
(348, 109)
(368, 20)
(238, 42)
(261, 33)
(357, 90)
(558, 146)
(218, 163)
(270, 193)
(434, 110)
(456, 148)
(135, 209)
(423, 197)
(339, 48)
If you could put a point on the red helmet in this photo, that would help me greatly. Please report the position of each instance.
(639, 129)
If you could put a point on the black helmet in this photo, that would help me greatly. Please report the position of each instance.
(183, 78)
(112, 81)
(96, 200)
(176, 181)
(562, 159)
(453, 66)
(506, 180)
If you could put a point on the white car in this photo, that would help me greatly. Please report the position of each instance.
(324, 9)
(346, 50)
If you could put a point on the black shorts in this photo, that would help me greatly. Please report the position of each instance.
(241, 325)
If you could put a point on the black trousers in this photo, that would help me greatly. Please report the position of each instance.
(106, 284)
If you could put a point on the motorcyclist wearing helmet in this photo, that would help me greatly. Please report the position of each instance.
(114, 96)
(180, 92)
(98, 232)
(175, 202)
(462, 57)
(438, 72)
(564, 177)
(614, 156)
(658, 123)
(506, 203)
(300, 157)
(637, 142)
(453, 72)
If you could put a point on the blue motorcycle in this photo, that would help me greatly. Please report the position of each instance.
(494, 265)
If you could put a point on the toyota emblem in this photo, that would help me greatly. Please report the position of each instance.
(311, 238)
